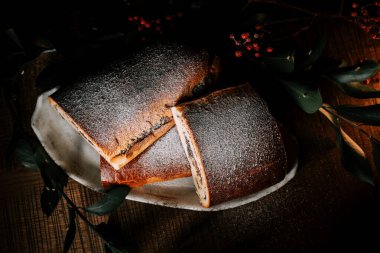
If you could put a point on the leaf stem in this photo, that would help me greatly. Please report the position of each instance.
(306, 11)
(296, 8)
(341, 7)
(76, 209)
(84, 218)
(354, 125)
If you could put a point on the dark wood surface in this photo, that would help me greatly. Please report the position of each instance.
(323, 208)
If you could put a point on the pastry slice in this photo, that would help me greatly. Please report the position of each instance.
(232, 142)
(123, 109)
(164, 160)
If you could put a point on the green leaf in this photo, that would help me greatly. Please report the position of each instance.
(49, 200)
(308, 98)
(282, 63)
(50, 170)
(54, 178)
(110, 201)
(71, 231)
(376, 152)
(369, 115)
(354, 159)
(24, 151)
(358, 90)
(355, 73)
(314, 54)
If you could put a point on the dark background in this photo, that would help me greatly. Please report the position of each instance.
(323, 208)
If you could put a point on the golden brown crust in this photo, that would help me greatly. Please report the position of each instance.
(235, 141)
(122, 110)
(164, 160)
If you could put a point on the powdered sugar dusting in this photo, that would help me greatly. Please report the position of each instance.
(126, 100)
(239, 141)
(162, 161)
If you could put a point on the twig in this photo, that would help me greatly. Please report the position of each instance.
(302, 10)
(289, 20)
(341, 7)
(302, 29)
(296, 8)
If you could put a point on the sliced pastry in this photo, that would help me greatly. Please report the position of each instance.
(124, 108)
(232, 142)
(164, 160)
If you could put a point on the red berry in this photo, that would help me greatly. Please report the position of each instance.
(255, 45)
(269, 49)
(135, 17)
(168, 18)
(354, 14)
(368, 81)
(248, 40)
(158, 21)
(130, 18)
(355, 5)
(142, 22)
(147, 25)
(256, 36)
(232, 36)
(377, 3)
(244, 36)
(258, 27)
(249, 47)
(257, 55)
(238, 54)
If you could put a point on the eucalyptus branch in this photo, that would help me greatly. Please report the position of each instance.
(288, 20)
(353, 124)
(341, 7)
(305, 11)
(80, 214)
(296, 8)
(84, 218)
(302, 29)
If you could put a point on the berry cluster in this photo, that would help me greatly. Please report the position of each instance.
(367, 17)
(155, 25)
(251, 44)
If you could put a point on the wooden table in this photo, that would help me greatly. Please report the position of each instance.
(322, 208)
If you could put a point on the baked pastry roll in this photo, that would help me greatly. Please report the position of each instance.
(164, 160)
(123, 109)
(232, 142)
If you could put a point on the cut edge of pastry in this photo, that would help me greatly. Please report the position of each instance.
(133, 182)
(119, 160)
(190, 146)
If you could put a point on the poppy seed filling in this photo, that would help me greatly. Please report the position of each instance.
(163, 121)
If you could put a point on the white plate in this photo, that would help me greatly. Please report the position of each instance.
(81, 162)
